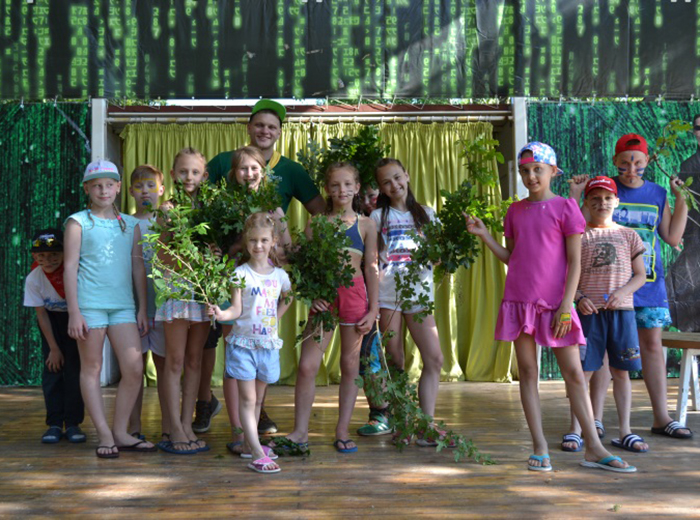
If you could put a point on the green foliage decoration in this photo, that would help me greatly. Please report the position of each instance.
(319, 266)
(225, 207)
(445, 242)
(407, 418)
(362, 150)
(195, 273)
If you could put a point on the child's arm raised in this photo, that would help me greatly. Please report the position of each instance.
(138, 272)
(77, 327)
(233, 312)
(573, 261)
(369, 235)
(577, 184)
(54, 361)
(475, 226)
(638, 279)
(673, 224)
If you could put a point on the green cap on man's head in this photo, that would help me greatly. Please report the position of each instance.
(268, 104)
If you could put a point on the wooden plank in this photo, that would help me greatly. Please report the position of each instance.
(680, 339)
(68, 480)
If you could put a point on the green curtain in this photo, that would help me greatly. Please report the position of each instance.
(466, 303)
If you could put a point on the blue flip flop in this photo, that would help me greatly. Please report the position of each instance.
(169, 447)
(337, 443)
(200, 449)
(604, 464)
(540, 458)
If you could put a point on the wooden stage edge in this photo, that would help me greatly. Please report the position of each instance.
(69, 481)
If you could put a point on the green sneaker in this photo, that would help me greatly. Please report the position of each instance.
(377, 425)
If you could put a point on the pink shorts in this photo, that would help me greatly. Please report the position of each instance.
(351, 302)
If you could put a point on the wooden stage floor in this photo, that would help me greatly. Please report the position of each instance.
(68, 480)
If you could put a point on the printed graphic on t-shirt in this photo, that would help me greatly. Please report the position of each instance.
(643, 219)
(604, 254)
(265, 296)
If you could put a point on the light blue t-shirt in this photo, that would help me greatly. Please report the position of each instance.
(104, 270)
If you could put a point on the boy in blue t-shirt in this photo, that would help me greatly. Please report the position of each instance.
(60, 380)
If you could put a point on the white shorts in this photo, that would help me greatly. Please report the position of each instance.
(155, 339)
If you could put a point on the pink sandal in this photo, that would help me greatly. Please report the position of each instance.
(262, 465)
(266, 450)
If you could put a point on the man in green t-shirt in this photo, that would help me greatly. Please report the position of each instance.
(264, 129)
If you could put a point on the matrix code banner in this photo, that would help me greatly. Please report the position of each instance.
(347, 48)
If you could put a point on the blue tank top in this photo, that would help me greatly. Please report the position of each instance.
(642, 209)
(357, 245)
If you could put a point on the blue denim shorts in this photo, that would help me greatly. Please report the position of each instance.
(652, 317)
(247, 364)
(614, 332)
(101, 318)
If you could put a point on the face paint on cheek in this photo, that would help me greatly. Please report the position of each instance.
(620, 169)
(640, 171)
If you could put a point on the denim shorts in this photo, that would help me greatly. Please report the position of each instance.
(652, 317)
(614, 332)
(247, 364)
(101, 318)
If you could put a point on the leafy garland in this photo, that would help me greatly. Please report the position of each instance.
(362, 150)
(407, 418)
(445, 241)
(197, 273)
(319, 266)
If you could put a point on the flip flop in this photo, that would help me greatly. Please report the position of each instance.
(344, 449)
(75, 435)
(138, 435)
(137, 447)
(628, 442)
(540, 458)
(572, 437)
(599, 426)
(604, 464)
(164, 439)
(169, 447)
(259, 465)
(52, 435)
(199, 448)
(231, 446)
(266, 450)
(110, 455)
(671, 430)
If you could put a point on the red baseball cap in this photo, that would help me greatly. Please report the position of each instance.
(602, 182)
(626, 144)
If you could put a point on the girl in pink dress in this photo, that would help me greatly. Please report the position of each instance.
(543, 253)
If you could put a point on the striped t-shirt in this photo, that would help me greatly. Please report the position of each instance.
(606, 262)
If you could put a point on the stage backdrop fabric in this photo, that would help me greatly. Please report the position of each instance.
(584, 136)
(139, 49)
(44, 154)
(466, 304)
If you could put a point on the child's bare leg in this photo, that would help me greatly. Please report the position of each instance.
(248, 404)
(231, 397)
(90, 367)
(159, 362)
(135, 417)
(570, 365)
(575, 426)
(175, 345)
(350, 343)
(126, 343)
(426, 338)
(390, 321)
(622, 390)
(599, 384)
(190, 383)
(654, 371)
(305, 388)
(526, 353)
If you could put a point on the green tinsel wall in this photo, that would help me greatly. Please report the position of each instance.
(41, 164)
(584, 136)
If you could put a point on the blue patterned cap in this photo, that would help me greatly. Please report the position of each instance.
(541, 153)
(101, 169)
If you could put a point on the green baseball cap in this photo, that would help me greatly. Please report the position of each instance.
(268, 104)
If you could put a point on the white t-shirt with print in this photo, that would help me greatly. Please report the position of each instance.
(38, 292)
(257, 325)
